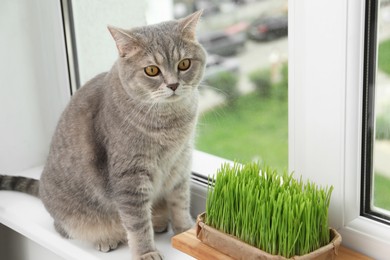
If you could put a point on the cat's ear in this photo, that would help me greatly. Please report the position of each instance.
(127, 45)
(188, 25)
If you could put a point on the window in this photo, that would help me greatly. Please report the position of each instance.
(326, 65)
(326, 61)
(90, 47)
(375, 201)
(244, 94)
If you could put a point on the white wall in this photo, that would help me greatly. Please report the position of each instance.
(34, 84)
(32, 92)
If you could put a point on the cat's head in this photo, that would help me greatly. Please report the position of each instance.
(161, 63)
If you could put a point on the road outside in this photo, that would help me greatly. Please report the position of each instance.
(255, 55)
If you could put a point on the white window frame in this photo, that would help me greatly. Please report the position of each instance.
(325, 108)
(325, 94)
(326, 40)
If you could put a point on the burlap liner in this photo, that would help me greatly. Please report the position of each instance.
(237, 249)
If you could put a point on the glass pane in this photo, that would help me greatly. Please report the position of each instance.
(93, 47)
(381, 183)
(244, 94)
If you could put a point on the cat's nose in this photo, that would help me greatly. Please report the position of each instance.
(173, 86)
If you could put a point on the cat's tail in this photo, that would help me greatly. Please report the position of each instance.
(18, 183)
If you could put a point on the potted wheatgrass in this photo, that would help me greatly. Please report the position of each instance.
(254, 213)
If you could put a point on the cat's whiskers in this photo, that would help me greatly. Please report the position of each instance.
(139, 108)
(148, 111)
(184, 89)
(160, 95)
(218, 90)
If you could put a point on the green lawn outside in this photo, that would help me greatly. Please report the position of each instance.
(382, 183)
(381, 191)
(384, 56)
(254, 129)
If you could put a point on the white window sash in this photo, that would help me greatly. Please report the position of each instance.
(325, 92)
(326, 40)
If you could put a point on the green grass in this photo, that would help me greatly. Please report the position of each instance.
(275, 213)
(384, 56)
(255, 128)
(381, 191)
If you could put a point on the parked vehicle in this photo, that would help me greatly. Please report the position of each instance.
(222, 43)
(208, 7)
(268, 28)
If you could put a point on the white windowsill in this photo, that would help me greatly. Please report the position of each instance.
(27, 216)
(206, 164)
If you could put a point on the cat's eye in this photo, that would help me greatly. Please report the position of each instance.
(184, 64)
(152, 70)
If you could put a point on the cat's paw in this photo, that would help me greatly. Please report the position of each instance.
(160, 225)
(160, 228)
(184, 227)
(152, 256)
(106, 246)
(160, 217)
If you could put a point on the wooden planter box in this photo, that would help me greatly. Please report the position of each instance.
(238, 249)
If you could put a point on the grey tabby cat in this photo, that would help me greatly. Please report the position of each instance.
(120, 159)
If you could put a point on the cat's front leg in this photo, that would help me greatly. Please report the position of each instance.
(160, 216)
(132, 195)
(179, 205)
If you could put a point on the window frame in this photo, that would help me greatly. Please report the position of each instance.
(336, 158)
(327, 104)
(333, 105)
(70, 44)
(367, 209)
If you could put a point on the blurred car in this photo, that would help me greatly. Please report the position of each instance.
(268, 28)
(208, 7)
(222, 43)
(217, 64)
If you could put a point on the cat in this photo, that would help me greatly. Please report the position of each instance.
(119, 163)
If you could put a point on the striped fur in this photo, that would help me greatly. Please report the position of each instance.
(120, 159)
(18, 183)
